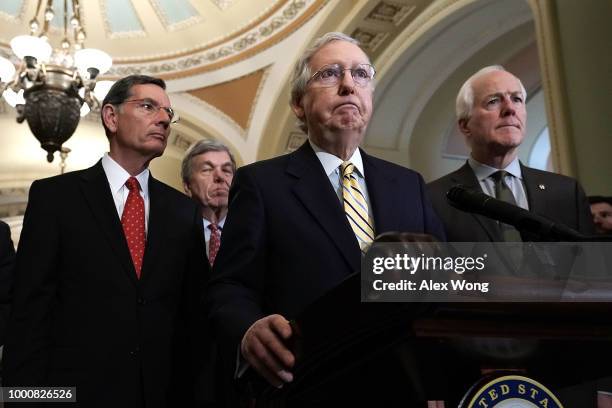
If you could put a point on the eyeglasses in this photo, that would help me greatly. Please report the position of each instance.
(151, 108)
(330, 75)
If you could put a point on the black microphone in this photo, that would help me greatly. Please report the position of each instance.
(477, 202)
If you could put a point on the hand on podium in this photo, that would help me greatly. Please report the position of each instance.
(263, 346)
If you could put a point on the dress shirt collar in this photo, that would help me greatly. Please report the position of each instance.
(331, 162)
(483, 171)
(219, 224)
(117, 176)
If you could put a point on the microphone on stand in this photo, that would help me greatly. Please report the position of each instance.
(477, 202)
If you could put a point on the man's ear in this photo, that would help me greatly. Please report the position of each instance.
(463, 127)
(187, 189)
(298, 110)
(109, 116)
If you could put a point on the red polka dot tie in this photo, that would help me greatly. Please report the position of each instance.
(215, 242)
(133, 220)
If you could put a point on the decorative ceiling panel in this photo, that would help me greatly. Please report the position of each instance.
(235, 98)
(169, 38)
(11, 7)
(120, 19)
(274, 27)
(152, 34)
(175, 14)
(390, 12)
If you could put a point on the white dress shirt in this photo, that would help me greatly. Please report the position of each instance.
(513, 179)
(117, 176)
(331, 166)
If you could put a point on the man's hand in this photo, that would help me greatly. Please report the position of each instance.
(263, 347)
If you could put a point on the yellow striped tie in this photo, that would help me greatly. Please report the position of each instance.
(356, 207)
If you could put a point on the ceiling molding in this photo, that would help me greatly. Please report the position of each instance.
(429, 50)
(223, 4)
(275, 28)
(223, 38)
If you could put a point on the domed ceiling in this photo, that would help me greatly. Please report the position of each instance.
(169, 38)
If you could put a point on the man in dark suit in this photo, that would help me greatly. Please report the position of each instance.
(109, 269)
(491, 114)
(7, 264)
(207, 171)
(297, 224)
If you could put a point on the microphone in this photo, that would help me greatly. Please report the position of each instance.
(477, 202)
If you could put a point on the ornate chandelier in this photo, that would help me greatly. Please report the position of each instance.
(53, 88)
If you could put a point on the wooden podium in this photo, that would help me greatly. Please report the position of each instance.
(437, 351)
(562, 345)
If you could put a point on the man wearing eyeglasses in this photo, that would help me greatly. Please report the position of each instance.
(298, 224)
(110, 268)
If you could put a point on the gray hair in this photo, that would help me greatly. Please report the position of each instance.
(301, 72)
(465, 97)
(201, 147)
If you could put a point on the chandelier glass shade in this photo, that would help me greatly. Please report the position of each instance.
(51, 88)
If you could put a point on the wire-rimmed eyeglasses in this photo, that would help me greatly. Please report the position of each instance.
(150, 108)
(329, 75)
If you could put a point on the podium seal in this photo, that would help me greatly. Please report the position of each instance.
(512, 391)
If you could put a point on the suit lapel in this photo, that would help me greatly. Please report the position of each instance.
(382, 189)
(314, 190)
(97, 193)
(536, 196)
(465, 176)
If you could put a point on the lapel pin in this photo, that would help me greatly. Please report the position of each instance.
(542, 187)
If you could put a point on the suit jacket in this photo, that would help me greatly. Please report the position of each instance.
(7, 264)
(554, 196)
(287, 241)
(80, 315)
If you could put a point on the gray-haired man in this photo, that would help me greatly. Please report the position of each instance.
(298, 223)
(207, 172)
(492, 115)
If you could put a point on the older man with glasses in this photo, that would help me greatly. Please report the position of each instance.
(297, 224)
(109, 270)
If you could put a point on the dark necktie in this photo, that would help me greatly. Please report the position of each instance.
(133, 221)
(214, 243)
(503, 193)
